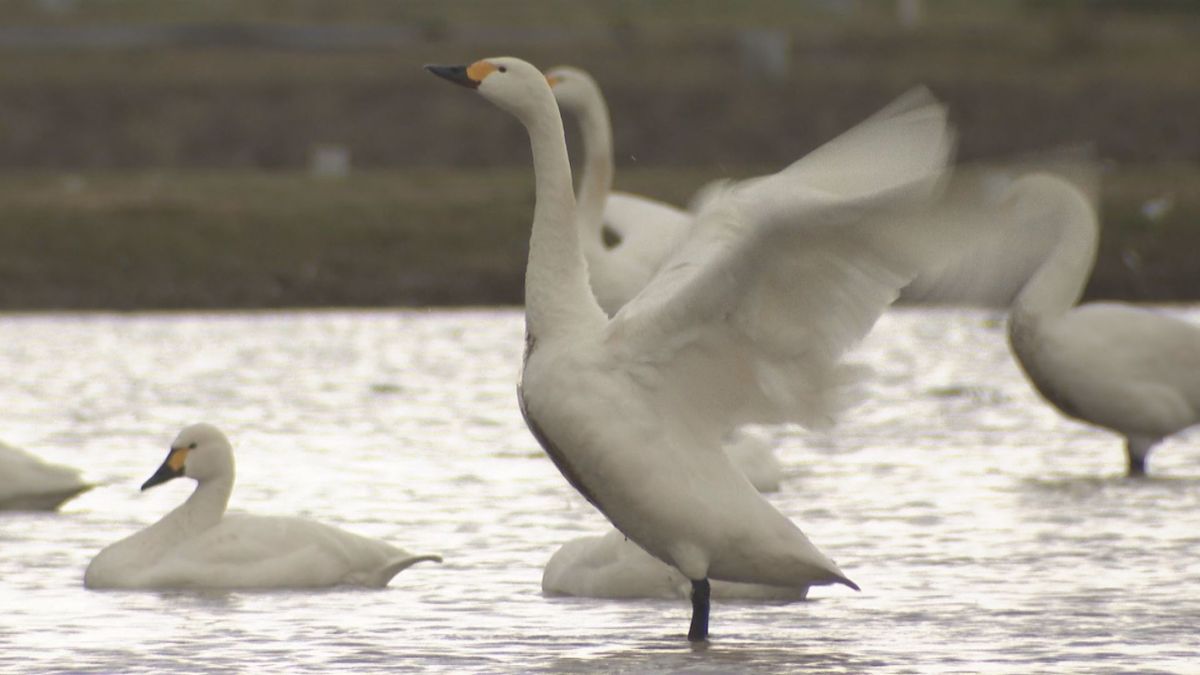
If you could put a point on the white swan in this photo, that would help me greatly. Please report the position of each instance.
(1128, 369)
(611, 566)
(30, 484)
(649, 229)
(198, 545)
(744, 323)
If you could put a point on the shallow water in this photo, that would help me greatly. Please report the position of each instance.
(988, 533)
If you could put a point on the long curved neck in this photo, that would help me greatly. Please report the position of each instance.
(557, 294)
(595, 181)
(1058, 284)
(203, 509)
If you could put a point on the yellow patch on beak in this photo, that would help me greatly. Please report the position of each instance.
(553, 80)
(177, 459)
(480, 69)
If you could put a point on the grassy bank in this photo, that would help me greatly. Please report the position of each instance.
(153, 154)
(421, 237)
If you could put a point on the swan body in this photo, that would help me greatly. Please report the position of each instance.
(1124, 368)
(611, 566)
(198, 545)
(30, 484)
(745, 322)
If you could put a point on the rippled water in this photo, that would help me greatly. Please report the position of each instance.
(988, 534)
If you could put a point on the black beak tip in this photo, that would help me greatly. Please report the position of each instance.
(455, 74)
(161, 476)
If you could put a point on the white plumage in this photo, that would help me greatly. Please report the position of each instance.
(1124, 368)
(198, 545)
(745, 322)
(611, 566)
(649, 229)
(29, 484)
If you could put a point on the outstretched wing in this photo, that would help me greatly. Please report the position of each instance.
(747, 321)
(992, 272)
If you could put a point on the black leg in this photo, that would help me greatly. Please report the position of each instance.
(699, 630)
(1137, 465)
(1136, 451)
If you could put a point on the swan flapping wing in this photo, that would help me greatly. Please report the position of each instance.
(991, 272)
(748, 319)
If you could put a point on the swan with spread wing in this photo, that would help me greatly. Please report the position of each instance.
(745, 322)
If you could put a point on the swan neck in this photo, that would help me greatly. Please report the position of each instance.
(1059, 282)
(595, 181)
(204, 508)
(557, 293)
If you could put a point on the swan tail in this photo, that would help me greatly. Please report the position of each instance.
(400, 564)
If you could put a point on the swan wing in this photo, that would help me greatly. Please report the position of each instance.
(780, 275)
(993, 271)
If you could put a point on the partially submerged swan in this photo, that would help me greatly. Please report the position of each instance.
(745, 322)
(198, 545)
(1125, 368)
(29, 484)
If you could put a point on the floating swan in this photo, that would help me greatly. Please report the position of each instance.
(744, 323)
(198, 545)
(1128, 369)
(30, 484)
(649, 229)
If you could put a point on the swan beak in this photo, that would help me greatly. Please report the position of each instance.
(553, 80)
(457, 74)
(172, 467)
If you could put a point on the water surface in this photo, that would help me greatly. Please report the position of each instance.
(988, 533)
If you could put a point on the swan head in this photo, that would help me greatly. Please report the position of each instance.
(573, 88)
(200, 452)
(1040, 196)
(512, 84)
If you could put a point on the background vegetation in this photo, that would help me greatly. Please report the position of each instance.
(157, 154)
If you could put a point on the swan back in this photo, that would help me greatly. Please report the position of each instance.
(29, 484)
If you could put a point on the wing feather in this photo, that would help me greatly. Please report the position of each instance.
(749, 318)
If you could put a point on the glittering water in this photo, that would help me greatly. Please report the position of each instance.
(988, 534)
